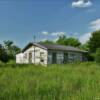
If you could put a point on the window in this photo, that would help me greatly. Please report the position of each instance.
(50, 58)
(42, 56)
(25, 56)
(74, 57)
(60, 58)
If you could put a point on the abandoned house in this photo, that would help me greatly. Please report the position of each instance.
(38, 53)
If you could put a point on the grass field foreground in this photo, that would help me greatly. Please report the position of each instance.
(55, 82)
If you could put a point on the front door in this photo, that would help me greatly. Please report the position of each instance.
(65, 57)
(30, 57)
(54, 57)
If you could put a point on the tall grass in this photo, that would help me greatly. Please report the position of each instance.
(55, 82)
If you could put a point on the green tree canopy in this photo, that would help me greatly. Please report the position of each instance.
(47, 42)
(11, 49)
(73, 42)
(3, 54)
(63, 40)
(94, 41)
(85, 46)
(97, 56)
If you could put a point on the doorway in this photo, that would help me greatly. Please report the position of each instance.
(65, 58)
(30, 58)
(54, 58)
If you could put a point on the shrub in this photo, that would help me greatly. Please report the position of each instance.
(1, 63)
(11, 62)
(3, 54)
(90, 56)
(97, 56)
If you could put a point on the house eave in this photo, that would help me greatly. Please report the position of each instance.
(32, 44)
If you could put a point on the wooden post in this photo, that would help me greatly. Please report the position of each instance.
(34, 49)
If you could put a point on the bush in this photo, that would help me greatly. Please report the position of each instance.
(90, 56)
(3, 54)
(11, 62)
(97, 56)
(1, 63)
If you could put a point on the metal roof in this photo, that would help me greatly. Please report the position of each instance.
(61, 47)
(54, 47)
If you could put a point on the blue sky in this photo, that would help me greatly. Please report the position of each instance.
(47, 19)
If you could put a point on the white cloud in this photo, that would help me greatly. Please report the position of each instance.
(53, 33)
(74, 34)
(81, 3)
(95, 25)
(58, 33)
(84, 38)
(45, 32)
(43, 39)
(54, 40)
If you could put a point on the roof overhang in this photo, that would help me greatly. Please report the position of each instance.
(32, 44)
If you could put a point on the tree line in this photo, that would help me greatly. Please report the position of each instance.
(8, 49)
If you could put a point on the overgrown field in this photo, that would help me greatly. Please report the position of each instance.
(55, 82)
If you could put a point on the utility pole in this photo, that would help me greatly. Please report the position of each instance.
(34, 37)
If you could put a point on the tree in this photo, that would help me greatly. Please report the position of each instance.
(97, 56)
(11, 49)
(94, 41)
(73, 42)
(3, 54)
(85, 46)
(47, 42)
(63, 40)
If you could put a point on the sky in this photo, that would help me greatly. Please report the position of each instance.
(20, 20)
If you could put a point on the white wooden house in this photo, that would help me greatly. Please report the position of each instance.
(37, 53)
